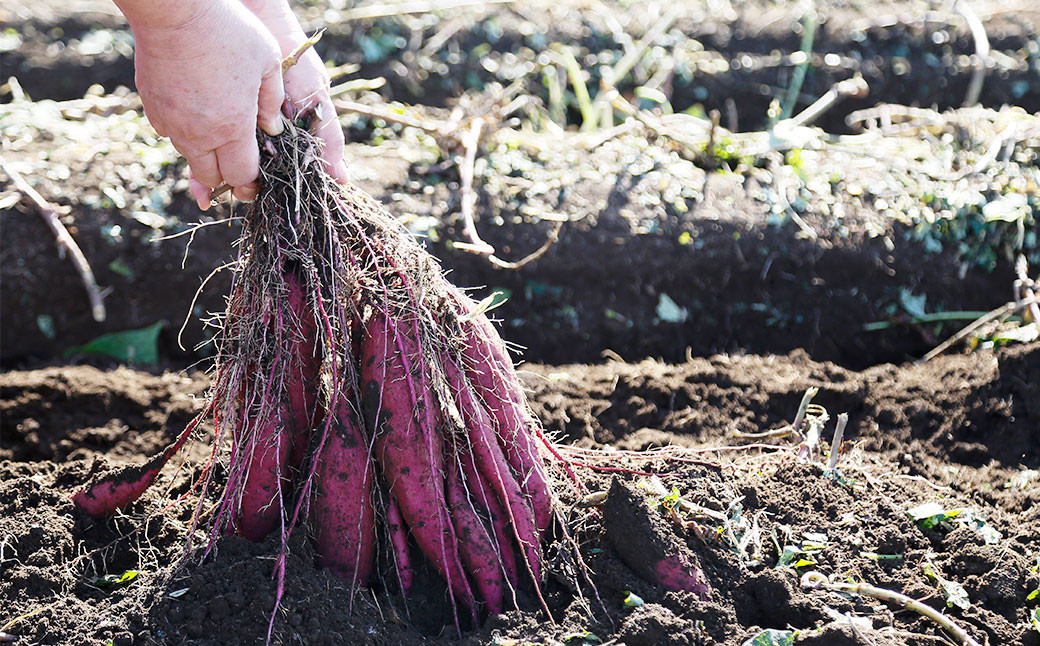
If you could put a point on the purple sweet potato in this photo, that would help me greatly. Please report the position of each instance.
(115, 490)
(476, 546)
(488, 503)
(491, 463)
(642, 540)
(342, 514)
(304, 365)
(265, 445)
(490, 371)
(401, 410)
(399, 543)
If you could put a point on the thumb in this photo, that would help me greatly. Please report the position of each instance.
(269, 102)
(199, 191)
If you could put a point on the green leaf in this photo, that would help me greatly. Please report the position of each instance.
(929, 515)
(1035, 617)
(914, 305)
(1033, 595)
(955, 594)
(772, 637)
(499, 297)
(46, 324)
(633, 600)
(669, 311)
(121, 268)
(788, 555)
(132, 346)
(111, 579)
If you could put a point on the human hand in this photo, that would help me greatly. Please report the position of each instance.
(307, 82)
(206, 83)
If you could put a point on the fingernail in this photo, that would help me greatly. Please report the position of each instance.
(200, 192)
(273, 128)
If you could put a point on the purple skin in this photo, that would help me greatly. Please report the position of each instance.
(671, 573)
(342, 513)
(119, 489)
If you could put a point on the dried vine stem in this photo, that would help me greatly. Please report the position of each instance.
(992, 315)
(815, 580)
(471, 143)
(64, 239)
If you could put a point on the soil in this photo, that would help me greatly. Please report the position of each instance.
(959, 431)
(748, 281)
(768, 313)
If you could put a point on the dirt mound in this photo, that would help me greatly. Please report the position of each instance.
(918, 434)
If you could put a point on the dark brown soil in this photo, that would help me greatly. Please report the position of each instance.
(957, 431)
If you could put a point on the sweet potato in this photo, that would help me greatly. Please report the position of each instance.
(488, 503)
(116, 490)
(301, 382)
(399, 543)
(265, 446)
(491, 372)
(674, 573)
(401, 410)
(475, 543)
(642, 540)
(493, 466)
(342, 514)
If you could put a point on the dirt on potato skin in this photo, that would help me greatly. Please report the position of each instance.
(903, 456)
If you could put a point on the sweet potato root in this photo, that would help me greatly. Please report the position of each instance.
(304, 364)
(401, 410)
(491, 462)
(490, 371)
(266, 446)
(488, 504)
(342, 514)
(116, 489)
(643, 542)
(476, 545)
(399, 544)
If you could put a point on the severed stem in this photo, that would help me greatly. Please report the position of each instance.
(294, 56)
(839, 433)
(802, 408)
(64, 239)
